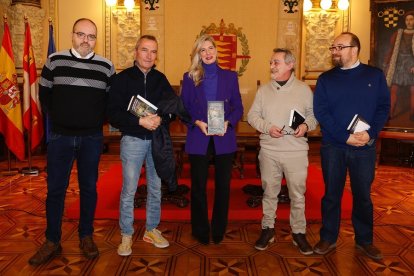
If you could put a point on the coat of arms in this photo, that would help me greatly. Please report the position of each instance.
(227, 39)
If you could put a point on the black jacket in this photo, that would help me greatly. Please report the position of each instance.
(153, 86)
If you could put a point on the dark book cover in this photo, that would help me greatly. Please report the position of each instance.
(141, 107)
(295, 119)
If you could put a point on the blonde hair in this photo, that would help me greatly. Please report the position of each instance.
(196, 71)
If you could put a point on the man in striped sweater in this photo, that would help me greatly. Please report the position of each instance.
(73, 90)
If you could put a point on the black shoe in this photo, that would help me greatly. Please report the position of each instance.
(202, 239)
(370, 250)
(301, 242)
(267, 236)
(88, 247)
(46, 252)
(217, 239)
(323, 247)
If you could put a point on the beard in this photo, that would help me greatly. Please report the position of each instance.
(84, 49)
(337, 61)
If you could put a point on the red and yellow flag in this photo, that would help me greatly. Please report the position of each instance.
(32, 114)
(10, 103)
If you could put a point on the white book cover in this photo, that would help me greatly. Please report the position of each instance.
(358, 124)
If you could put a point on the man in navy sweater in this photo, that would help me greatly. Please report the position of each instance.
(348, 89)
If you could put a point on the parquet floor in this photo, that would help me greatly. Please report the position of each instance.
(22, 225)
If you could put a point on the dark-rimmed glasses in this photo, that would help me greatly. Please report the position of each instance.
(339, 48)
(285, 132)
(81, 35)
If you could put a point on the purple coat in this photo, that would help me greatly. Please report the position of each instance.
(195, 102)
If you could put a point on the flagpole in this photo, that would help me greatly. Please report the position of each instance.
(29, 170)
(9, 171)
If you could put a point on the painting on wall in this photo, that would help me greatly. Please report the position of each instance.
(392, 50)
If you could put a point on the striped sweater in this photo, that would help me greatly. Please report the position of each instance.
(74, 91)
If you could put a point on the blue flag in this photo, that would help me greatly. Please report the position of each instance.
(50, 50)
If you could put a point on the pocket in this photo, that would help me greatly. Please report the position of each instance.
(54, 136)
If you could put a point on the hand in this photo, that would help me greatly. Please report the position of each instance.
(358, 139)
(150, 122)
(301, 130)
(202, 125)
(275, 132)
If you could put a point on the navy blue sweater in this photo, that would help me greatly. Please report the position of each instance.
(340, 94)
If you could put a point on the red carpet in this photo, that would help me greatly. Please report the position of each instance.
(109, 188)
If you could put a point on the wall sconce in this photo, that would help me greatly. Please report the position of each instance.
(129, 6)
(291, 6)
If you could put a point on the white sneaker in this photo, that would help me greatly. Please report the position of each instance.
(155, 237)
(124, 249)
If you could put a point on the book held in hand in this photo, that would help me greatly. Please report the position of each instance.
(215, 117)
(358, 124)
(141, 107)
(295, 119)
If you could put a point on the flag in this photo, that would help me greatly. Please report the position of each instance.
(32, 114)
(50, 50)
(10, 103)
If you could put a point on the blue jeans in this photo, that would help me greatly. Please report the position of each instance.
(361, 166)
(61, 153)
(134, 151)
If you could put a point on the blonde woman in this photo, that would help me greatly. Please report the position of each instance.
(206, 82)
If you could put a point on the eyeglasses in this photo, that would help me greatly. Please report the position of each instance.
(339, 48)
(81, 35)
(285, 132)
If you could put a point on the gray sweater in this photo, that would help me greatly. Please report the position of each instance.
(272, 106)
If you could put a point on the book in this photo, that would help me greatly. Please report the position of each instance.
(358, 124)
(295, 119)
(215, 117)
(141, 107)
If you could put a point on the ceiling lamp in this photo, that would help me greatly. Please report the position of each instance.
(307, 5)
(343, 4)
(129, 5)
(326, 4)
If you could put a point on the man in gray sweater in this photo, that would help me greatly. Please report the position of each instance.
(283, 150)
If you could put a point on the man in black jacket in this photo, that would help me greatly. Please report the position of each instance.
(137, 133)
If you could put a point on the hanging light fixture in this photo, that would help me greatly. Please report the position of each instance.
(129, 5)
(307, 5)
(343, 4)
(326, 4)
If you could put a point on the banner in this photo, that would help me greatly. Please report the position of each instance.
(10, 102)
(50, 50)
(32, 114)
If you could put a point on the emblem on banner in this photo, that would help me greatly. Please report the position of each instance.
(390, 16)
(9, 92)
(227, 39)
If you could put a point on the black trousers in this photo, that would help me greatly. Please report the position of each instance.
(223, 164)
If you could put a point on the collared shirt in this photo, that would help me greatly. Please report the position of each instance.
(353, 65)
(76, 54)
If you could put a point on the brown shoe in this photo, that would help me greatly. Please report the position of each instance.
(46, 252)
(88, 247)
(323, 247)
(370, 250)
(301, 242)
